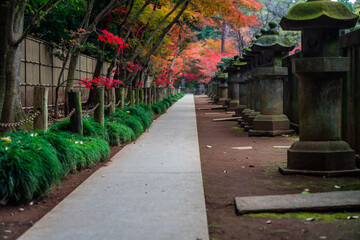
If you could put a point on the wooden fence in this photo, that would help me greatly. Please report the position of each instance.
(349, 47)
(40, 66)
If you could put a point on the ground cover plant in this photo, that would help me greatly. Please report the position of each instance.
(29, 166)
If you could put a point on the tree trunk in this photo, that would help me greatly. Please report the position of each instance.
(99, 65)
(223, 36)
(11, 109)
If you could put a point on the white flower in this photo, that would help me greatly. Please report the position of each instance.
(127, 111)
(76, 142)
(6, 148)
(81, 142)
(31, 135)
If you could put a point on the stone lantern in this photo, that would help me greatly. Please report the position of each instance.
(271, 121)
(223, 87)
(242, 65)
(234, 79)
(257, 60)
(246, 78)
(320, 150)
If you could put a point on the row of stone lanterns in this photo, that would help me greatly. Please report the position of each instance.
(255, 86)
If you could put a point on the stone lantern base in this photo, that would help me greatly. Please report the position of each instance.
(232, 105)
(250, 121)
(321, 158)
(222, 101)
(239, 110)
(271, 125)
(245, 117)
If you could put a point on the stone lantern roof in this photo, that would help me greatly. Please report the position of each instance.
(318, 14)
(271, 40)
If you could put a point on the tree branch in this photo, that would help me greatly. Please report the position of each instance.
(36, 19)
(137, 53)
(166, 30)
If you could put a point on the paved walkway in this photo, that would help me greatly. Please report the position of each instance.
(151, 190)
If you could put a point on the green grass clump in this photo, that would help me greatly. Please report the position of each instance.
(167, 101)
(91, 128)
(119, 132)
(135, 124)
(29, 166)
(76, 152)
(94, 129)
(148, 110)
(141, 114)
(156, 108)
(160, 107)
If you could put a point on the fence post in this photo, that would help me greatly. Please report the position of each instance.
(111, 98)
(41, 102)
(132, 98)
(122, 98)
(142, 95)
(99, 112)
(76, 123)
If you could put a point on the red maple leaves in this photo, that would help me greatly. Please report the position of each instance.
(96, 81)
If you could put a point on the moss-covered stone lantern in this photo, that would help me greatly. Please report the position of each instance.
(246, 79)
(320, 150)
(242, 65)
(223, 87)
(234, 79)
(271, 121)
(257, 60)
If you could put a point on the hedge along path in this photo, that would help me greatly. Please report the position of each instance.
(151, 190)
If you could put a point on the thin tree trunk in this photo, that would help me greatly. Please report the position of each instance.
(165, 31)
(223, 37)
(177, 52)
(149, 39)
(97, 73)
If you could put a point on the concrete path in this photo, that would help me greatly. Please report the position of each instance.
(151, 190)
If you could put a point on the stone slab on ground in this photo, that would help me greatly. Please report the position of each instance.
(151, 189)
(226, 119)
(299, 202)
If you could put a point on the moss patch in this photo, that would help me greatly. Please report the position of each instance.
(323, 217)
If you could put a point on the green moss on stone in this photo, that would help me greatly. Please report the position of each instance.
(323, 217)
(313, 9)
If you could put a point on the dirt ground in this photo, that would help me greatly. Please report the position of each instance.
(230, 173)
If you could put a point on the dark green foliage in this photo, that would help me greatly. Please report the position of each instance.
(135, 124)
(141, 114)
(167, 101)
(159, 108)
(28, 167)
(147, 110)
(91, 128)
(94, 129)
(76, 152)
(119, 133)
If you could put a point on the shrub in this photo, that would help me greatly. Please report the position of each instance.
(76, 152)
(91, 128)
(118, 132)
(148, 110)
(29, 167)
(134, 123)
(141, 114)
